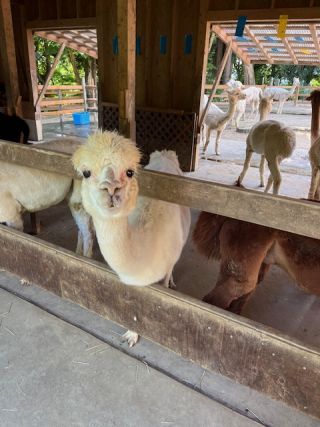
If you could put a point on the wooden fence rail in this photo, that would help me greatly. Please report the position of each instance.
(60, 100)
(300, 93)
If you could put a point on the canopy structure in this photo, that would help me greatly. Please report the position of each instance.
(260, 44)
(84, 41)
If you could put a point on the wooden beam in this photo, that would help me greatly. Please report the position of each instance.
(245, 205)
(313, 31)
(8, 58)
(216, 82)
(52, 70)
(252, 36)
(297, 14)
(56, 24)
(126, 19)
(290, 50)
(243, 350)
(228, 39)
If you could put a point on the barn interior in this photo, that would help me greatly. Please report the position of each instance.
(152, 60)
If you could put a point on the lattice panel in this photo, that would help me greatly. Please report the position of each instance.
(110, 119)
(158, 130)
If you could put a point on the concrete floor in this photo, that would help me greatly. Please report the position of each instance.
(69, 368)
(54, 374)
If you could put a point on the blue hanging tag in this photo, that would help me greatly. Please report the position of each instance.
(187, 44)
(138, 45)
(163, 45)
(115, 45)
(240, 26)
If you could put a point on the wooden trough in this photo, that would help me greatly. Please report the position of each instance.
(248, 352)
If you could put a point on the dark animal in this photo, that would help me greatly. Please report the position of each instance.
(13, 128)
(246, 252)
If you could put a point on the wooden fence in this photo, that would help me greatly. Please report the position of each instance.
(299, 95)
(67, 99)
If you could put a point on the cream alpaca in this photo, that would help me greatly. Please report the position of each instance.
(218, 119)
(27, 189)
(314, 152)
(280, 94)
(275, 142)
(140, 238)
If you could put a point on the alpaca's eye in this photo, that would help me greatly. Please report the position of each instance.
(130, 173)
(86, 174)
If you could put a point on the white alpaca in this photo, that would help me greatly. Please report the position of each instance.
(280, 94)
(253, 95)
(314, 156)
(275, 142)
(314, 152)
(24, 189)
(234, 84)
(217, 119)
(140, 238)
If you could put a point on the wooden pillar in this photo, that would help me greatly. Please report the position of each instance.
(126, 25)
(8, 57)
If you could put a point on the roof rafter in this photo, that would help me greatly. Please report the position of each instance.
(234, 46)
(258, 44)
(313, 31)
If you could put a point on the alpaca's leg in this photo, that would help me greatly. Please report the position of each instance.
(218, 137)
(261, 170)
(243, 248)
(269, 184)
(276, 175)
(314, 183)
(246, 165)
(131, 337)
(10, 211)
(168, 281)
(208, 134)
(83, 221)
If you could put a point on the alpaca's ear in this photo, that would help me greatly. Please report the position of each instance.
(78, 160)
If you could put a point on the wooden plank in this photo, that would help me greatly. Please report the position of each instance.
(51, 72)
(293, 215)
(250, 353)
(297, 14)
(61, 112)
(313, 31)
(216, 82)
(48, 102)
(8, 57)
(62, 87)
(258, 44)
(126, 22)
(290, 50)
(228, 39)
(56, 24)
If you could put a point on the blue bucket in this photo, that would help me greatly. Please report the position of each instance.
(82, 118)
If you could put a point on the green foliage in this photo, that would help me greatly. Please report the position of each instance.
(46, 51)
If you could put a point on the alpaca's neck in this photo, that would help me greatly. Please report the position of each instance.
(229, 114)
(263, 114)
(315, 118)
(293, 88)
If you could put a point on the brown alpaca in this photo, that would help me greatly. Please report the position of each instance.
(314, 152)
(246, 252)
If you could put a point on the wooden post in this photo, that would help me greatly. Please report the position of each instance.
(8, 57)
(126, 25)
(216, 82)
(52, 70)
(84, 89)
(296, 98)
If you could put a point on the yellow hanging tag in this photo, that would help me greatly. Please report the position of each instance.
(283, 20)
(306, 51)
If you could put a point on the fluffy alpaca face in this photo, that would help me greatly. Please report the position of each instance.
(108, 164)
(235, 95)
